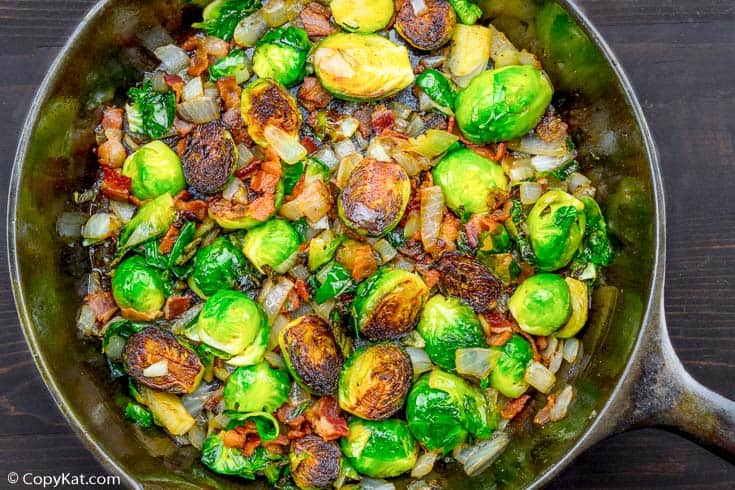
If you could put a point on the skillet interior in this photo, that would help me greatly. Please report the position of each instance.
(54, 160)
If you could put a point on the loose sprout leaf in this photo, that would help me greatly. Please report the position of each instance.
(301, 226)
(290, 175)
(566, 169)
(396, 238)
(439, 89)
(232, 65)
(524, 245)
(222, 16)
(138, 414)
(467, 12)
(186, 235)
(231, 461)
(152, 112)
(337, 281)
(153, 256)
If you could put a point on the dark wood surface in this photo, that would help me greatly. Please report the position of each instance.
(680, 55)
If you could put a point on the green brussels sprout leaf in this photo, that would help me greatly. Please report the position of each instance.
(222, 16)
(439, 89)
(138, 414)
(231, 461)
(186, 235)
(290, 175)
(267, 425)
(508, 375)
(150, 113)
(235, 65)
(151, 221)
(256, 388)
(337, 280)
(467, 12)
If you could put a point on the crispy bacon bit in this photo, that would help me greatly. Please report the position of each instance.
(279, 445)
(497, 322)
(514, 407)
(139, 316)
(167, 243)
(500, 150)
(499, 339)
(430, 276)
(551, 127)
(310, 145)
(542, 343)
(477, 224)
(182, 128)
(176, 83)
(449, 231)
(114, 185)
(544, 415)
(102, 304)
(451, 124)
(484, 151)
(233, 120)
(364, 116)
(527, 270)
(365, 263)
(301, 289)
(199, 61)
(312, 95)
(244, 437)
(112, 152)
(230, 92)
(326, 419)
(382, 119)
(175, 306)
(196, 209)
(315, 18)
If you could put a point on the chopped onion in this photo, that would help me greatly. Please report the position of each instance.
(194, 401)
(385, 250)
(156, 369)
(561, 404)
(193, 89)
(424, 465)
(155, 38)
(414, 339)
(346, 166)
(158, 83)
(173, 58)
(479, 457)
(555, 361)
(533, 145)
(197, 435)
(323, 310)
(346, 127)
(404, 264)
(419, 7)
(584, 191)
(412, 163)
(211, 90)
(275, 297)
(521, 170)
(186, 319)
(432, 212)
(123, 210)
(419, 359)
(69, 225)
(530, 192)
(539, 377)
(286, 145)
(89, 284)
(416, 126)
(577, 180)
(377, 150)
(375, 484)
(250, 29)
(322, 224)
(275, 13)
(313, 202)
(412, 225)
(100, 227)
(327, 157)
(547, 164)
(114, 348)
(344, 148)
(276, 327)
(199, 111)
(570, 350)
(275, 360)
(425, 102)
(433, 61)
(87, 321)
(300, 272)
(244, 155)
(475, 362)
(551, 346)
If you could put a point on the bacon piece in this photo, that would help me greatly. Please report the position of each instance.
(139, 316)
(309, 143)
(182, 128)
(114, 185)
(312, 95)
(499, 339)
(543, 415)
(176, 83)
(500, 150)
(199, 60)
(326, 420)
(301, 289)
(279, 445)
(382, 119)
(112, 152)
(167, 243)
(449, 231)
(175, 306)
(477, 224)
(244, 437)
(430, 276)
(103, 305)
(498, 322)
(196, 209)
(233, 119)
(315, 18)
(514, 407)
(364, 116)
(230, 92)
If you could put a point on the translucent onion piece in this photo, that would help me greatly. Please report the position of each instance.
(100, 227)
(538, 376)
(577, 180)
(521, 170)
(244, 155)
(322, 224)
(432, 212)
(186, 319)
(314, 202)
(530, 192)
(275, 360)
(277, 325)
(419, 359)
(413, 223)
(326, 155)
(475, 362)
(250, 29)
(199, 111)
(547, 164)
(300, 272)
(416, 126)
(552, 344)
(86, 321)
(324, 309)
(69, 225)
(155, 38)
(533, 145)
(484, 453)
(276, 297)
(570, 350)
(555, 361)
(346, 166)
(173, 58)
(412, 163)
(194, 401)
(123, 210)
(585, 191)
(286, 145)
(211, 90)
(375, 484)
(347, 127)
(385, 250)
(115, 346)
(424, 465)
(156, 369)
(377, 150)
(193, 89)
(419, 7)
(197, 436)
(344, 148)
(275, 13)
(561, 405)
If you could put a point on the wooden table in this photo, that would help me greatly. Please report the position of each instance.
(680, 55)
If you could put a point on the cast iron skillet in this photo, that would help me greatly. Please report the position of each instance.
(628, 377)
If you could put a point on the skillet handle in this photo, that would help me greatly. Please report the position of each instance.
(663, 394)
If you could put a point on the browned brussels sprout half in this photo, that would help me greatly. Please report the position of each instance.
(311, 354)
(315, 463)
(375, 381)
(387, 304)
(267, 103)
(155, 358)
(209, 158)
(466, 278)
(375, 197)
(430, 30)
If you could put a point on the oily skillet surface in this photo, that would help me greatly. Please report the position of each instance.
(93, 394)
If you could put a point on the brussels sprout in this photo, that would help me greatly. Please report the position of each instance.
(216, 267)
(168, 411)
(541, 304)
(256, 388)
(311, 354)
(138, 286)
(388, 302)
(361, 16)
(361, 67)
(154, 170)
(430, 30)
(222, 16)
(209, 157)
(281, 55)
(152, 220)
(315, 463)
(507, 375)
(274, 243)
(468, 180)
(374, 381)
(232, 323)
(375, 197)
(380, 449)
(150, 113)
(154, 345)
(266, 103)
(465, 277)
(580, 309)
(442, 409)
(556, 227)
(232, 215)
(503, 104)
(235, 65)
(447, 324)
(231, 461)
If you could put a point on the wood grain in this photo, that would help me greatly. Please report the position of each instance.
(679, 55)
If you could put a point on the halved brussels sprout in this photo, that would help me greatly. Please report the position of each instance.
(388, 302)
(503, 104)
(216, 267)
(281, 55)
(464, 277)
(154, 170)
(256, 388)
(375, 197)
(508, 374)
(151, 221)
(315, 463)
(541, 304)
(232, 323)
(580, 309)
(275, 243)
(468, 181)
(232, 215)
(266, 103)
(380, 449)
(138, 286)
(311, 354)
(153, 345)
(556, 227)
(430, 30)
(362, 16)
(374, 381)
(209, 157)
(442, 409)
(361, 67)
(447, 324)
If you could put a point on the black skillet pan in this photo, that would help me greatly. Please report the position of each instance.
(628, 377)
